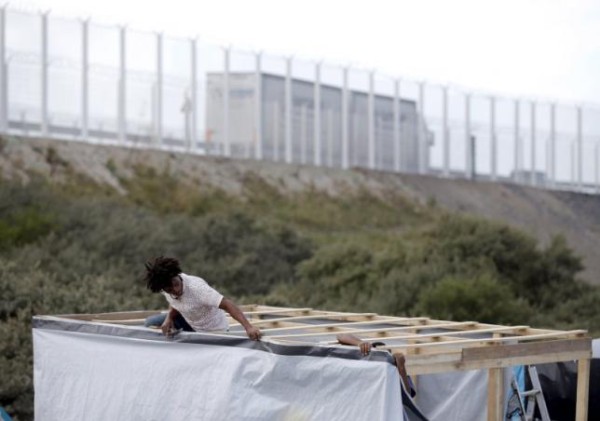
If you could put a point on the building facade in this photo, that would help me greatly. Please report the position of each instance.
(257, 113)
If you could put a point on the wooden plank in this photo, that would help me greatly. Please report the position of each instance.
(519, 350)
(443, 336)
(431, 322)
(384, 331)
(433, 337)
(495, 399)
(343, 316)
(278, 311)
(451, 361)
(382, 320)
(583, 385)
(574, 334)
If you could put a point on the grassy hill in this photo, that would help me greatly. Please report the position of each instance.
(77, 222)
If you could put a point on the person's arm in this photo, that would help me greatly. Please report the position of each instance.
(400, 364)
(348, 339)
(167, 325)
(235, 312)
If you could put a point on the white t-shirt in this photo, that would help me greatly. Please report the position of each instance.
(199, 305)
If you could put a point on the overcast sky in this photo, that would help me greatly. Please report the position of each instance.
(546, 49)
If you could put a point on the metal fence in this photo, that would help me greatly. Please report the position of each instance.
(79, 80)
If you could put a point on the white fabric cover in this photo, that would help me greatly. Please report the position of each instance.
(81, 376)
(459, 395)
(596, 348)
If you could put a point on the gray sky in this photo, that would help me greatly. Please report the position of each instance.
(546, 49)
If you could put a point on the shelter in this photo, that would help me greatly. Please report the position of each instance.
(109, 364)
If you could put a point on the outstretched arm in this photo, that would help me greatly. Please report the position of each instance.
(235, 312)
(348, 339)
(365, 347)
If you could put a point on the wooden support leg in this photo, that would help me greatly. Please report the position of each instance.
(495, 402)
(583, 385)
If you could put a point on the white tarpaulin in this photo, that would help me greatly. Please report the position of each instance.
(459, 395)
(87, 376)
(596, 348)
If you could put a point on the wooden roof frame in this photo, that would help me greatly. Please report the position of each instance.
(454, 346)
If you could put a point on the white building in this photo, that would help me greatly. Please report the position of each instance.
(242, 130)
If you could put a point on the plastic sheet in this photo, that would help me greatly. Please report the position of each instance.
(95, 376)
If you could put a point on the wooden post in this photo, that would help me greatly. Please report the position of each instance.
(583, 384)
(495, 402)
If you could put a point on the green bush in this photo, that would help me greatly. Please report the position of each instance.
(481, 299)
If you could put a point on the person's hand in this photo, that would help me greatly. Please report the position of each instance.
(167, 326)
(254, 333)
(365, 347)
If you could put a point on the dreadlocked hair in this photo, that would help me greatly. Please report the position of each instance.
(160, 271)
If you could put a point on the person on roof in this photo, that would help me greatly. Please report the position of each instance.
(365, 348)
(193, 305)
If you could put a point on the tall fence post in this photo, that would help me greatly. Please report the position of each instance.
(517, 134)
(597, 161)
(3, 85)
(446, 132)
(469, 156)
(288, 111)
(258, 105)
(371, 120)
(85, 79)
(193, 112)
(423, 138)
(226, 96)
(579, 148)
(159, 90)
(493, 144)
(396, 126)
(330, 138)
(303, 120)
(44, 75)
(122, 84)
(552, 151)
(573, 162)
(345, 119)
(532, 175)
(317, 111)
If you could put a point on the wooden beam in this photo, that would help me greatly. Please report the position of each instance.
(380, 320)
(583, 384)
(425, 352)
(450, 362)
(278, 311)
(342, 316)
(495, 400)
(573, 334)
(384, 331)
(499, 356)
(526, 349)
(443, 336)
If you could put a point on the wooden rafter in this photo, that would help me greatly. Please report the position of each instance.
(430, 346)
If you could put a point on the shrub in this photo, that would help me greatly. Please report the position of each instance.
(482, 299)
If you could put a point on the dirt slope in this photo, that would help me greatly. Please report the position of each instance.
(542, 213)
